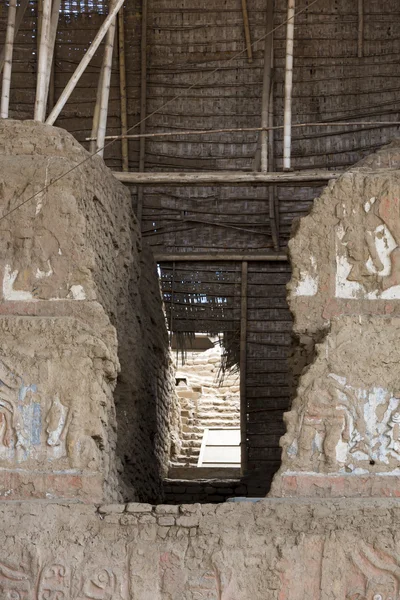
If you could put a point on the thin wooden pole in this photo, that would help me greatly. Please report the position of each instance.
(143, 105)
(267, 83)
(83, 64)
(247, 33)
(220, 256)
(106, 82)
(360, 44)
(243, 368)
(8, 56)
(21, 10)
(42, 76)
(122, 85)
(224, 177)
(55, 14)
(287, 133)
(96, 112)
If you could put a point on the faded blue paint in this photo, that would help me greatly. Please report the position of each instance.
(24, 389)
(36, 424)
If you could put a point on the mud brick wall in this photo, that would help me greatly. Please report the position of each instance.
(272, 549)
(71, 261)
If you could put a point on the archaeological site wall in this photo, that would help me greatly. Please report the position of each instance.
(80, 314)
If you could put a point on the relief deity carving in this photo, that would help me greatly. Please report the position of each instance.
(57, 581)
(368, 250)
(339, 427)
(35, 427)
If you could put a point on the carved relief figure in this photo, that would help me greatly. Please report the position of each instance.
(323, 427)
(57, 421)
(380, 573)
(338, 427)
(14, 406)
(368, 259)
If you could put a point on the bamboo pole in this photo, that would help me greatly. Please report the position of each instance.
(287, 133)
(21, 10)
(122, 87)
(267, 84)
(247, 33)
(106, 82)
(96, 113)
(143, 105)
(55, 14)
(83, 64)
(224, 177)
(44, 50)
(8, 56)
(360, 43)
(219, 256)
(242, 368)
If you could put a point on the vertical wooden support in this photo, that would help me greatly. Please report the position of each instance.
(287, 120)
(21, 10)
(143, 106)
(96, 112)
(8, 56)
(360, 44)
(267, 86)
(122, 85)
(80, 69)
(247, 34)
(55, 14)
(242, 367)
(105, 84)
(42, 78)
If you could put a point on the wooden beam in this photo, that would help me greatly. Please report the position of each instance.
(287, 117)
(18, 20)
(44, 50)
(247, 34)
(220, 256)
(242, 368)
(360, 42)
(225, 177)
(105, 83)
(122, 87)
(143, 107)
(80, 69)
(8, 57)
(266, 90)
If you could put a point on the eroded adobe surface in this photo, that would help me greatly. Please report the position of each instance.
(83, 341)
(343, 430)
(274, 549)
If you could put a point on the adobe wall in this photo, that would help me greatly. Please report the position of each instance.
(80, 309)
(270, 550)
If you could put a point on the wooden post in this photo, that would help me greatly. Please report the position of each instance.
(267, 86)
(21, 10)
(96, 112)
(122, 85)
(360, 44)
(247, 34)
(8, 56)
(106, 82)
(84, 63)
(42, 75)
(242, 367)
(55, 15)
(287, 121)
(143, 106)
